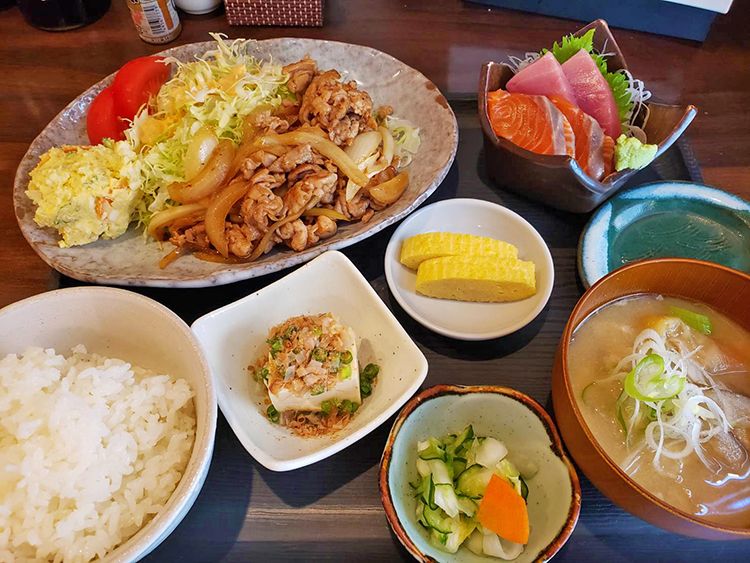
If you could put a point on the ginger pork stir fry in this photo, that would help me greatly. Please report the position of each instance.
(325, 155)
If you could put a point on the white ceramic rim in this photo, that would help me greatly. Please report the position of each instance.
(593, 247)
(156, 531)
(390, 258)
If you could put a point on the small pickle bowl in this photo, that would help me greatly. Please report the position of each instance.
(122, 324)
(558, 180)
(723, 289)
(554, 498)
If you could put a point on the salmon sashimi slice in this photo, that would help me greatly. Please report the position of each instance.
(531, 122)
(594, 149)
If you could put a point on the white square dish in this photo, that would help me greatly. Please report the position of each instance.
(233, 337)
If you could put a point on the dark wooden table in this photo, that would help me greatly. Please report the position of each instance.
(331, 510)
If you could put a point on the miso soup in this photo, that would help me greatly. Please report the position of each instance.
(664, 385)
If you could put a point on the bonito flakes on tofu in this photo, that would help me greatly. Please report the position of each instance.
(310, 370)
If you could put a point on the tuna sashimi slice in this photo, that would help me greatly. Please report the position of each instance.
(594, 152)
(543, 77)
(531, 122)
(592, 92)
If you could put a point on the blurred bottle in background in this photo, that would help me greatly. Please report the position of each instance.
(60, 15)
(156, 20)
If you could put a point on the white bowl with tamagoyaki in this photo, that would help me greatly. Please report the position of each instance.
(460, 319)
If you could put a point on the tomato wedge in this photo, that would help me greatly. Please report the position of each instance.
(136, 82)
(102, 120)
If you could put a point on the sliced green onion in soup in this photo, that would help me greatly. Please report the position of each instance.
(647, 382)
(699, 322)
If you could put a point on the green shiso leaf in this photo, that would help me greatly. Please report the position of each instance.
(570, 45)
(618, 83)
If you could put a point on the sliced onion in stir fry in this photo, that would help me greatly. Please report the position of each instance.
(389, 191)
(160, 221)
(388, 145)
(363, 146)
(174, 255)
(323, 146)
(330, 213)
(210, 256)
(199, 151)
(217, 212)
(209, 179)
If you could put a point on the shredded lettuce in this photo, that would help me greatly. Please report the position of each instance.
(218, 90)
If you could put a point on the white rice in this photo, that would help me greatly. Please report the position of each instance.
(91, 448)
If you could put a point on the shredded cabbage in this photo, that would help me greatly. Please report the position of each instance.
(406, 137)
(217, 90)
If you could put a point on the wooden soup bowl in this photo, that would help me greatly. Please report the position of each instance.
(722, 288)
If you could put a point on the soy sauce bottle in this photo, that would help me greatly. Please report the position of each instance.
(61, 15)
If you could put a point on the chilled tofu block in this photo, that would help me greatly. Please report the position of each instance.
(342, 390)
(311, 365)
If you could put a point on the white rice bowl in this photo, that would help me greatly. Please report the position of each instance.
(91, 449)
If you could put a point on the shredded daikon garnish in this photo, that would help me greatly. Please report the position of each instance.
(673, 427)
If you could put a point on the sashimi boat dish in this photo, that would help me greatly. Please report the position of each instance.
(566, 101)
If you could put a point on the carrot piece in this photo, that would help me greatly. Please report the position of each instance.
(503, 511)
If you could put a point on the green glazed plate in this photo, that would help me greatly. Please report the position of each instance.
(666, 219)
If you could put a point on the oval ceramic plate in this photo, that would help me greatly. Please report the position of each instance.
(459, 319)
(518, 421)
(666, 220)
(130, 260)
